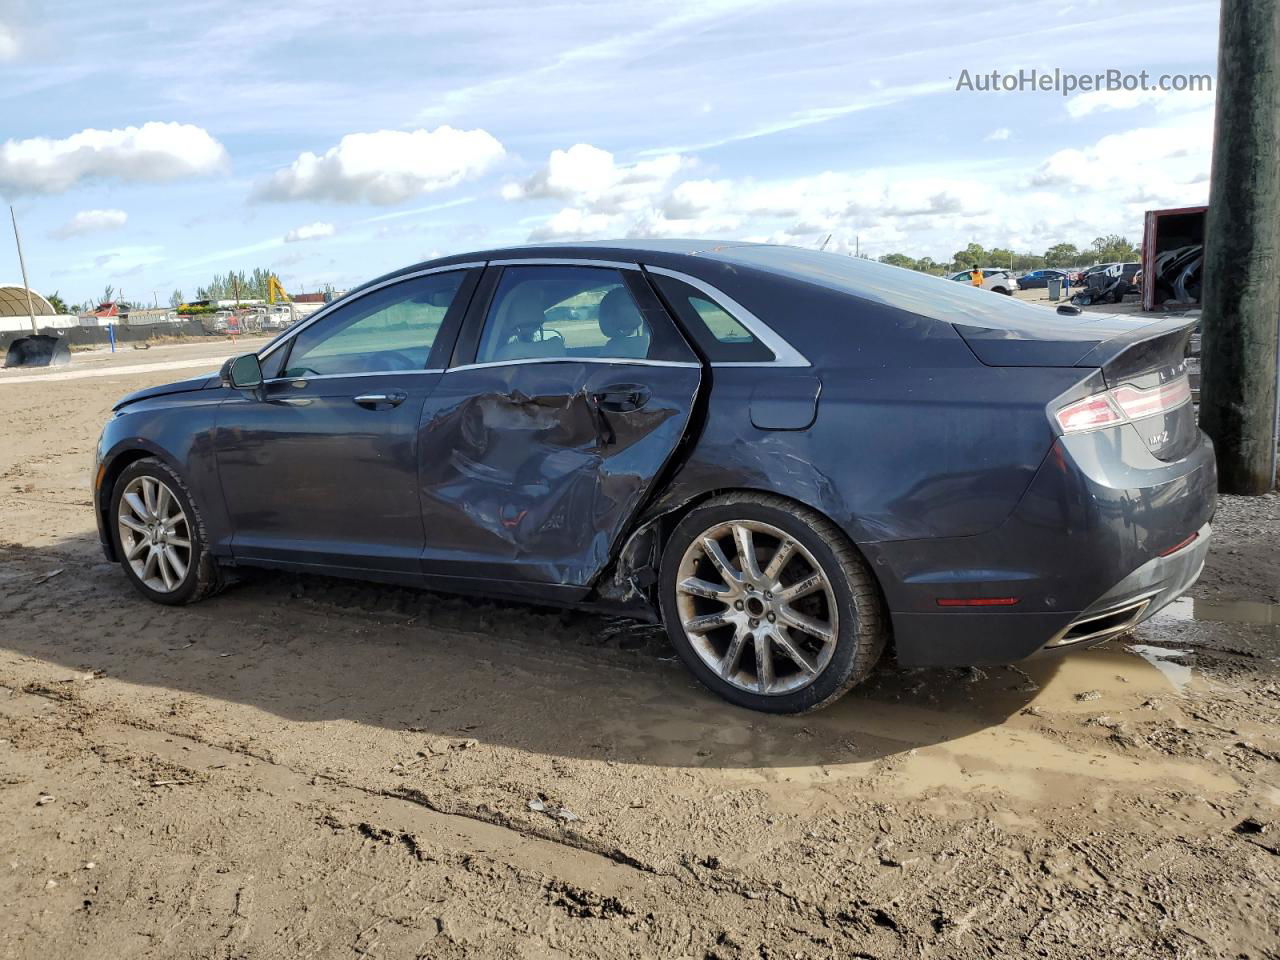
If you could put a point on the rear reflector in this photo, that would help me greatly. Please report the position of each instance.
(977, 601)
(1182, 543)
(1123, 404)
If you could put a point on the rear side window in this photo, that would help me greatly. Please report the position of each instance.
(720, 335)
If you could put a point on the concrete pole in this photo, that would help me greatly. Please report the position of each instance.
(22, 264)
(1242, 247)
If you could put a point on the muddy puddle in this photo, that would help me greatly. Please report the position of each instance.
(1222, 611)
(1053, 732)
(1168, 661)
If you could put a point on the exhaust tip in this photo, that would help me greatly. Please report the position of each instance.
(1098, 626)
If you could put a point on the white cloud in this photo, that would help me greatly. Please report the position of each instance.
(996, 135)
(1165, 101)
(1074, 195)
(592, 178)
(1155, 164)
(385, 167)
(818, 204)
(153, 152)
(8, 43)
(310, 231)
(694, 197)
(89, 221)
(574, 224)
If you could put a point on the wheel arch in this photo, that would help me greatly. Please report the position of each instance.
(630, 581)
(113, 465)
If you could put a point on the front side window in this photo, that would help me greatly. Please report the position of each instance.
(721, 337)
(541, 312)
(390, 329)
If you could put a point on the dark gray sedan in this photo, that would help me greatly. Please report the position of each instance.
(793, 459)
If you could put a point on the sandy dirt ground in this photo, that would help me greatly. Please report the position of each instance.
(304, 767)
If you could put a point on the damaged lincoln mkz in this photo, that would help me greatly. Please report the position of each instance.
(793, 459)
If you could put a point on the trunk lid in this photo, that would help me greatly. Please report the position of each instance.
(1147, 372)
(1036, 337)
(1143, 364)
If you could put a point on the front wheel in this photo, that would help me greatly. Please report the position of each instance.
(159, 536)
(769, 604)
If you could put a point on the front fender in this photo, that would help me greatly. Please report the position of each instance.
(177, 429)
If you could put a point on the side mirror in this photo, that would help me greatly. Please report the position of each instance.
(242, 373)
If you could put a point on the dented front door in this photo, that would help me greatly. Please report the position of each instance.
(530, 471)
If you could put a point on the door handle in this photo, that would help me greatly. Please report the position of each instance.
(375, 400)
(622, 398)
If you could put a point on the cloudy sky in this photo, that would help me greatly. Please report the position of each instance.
(150, 144)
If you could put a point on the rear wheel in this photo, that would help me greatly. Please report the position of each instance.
(160, 537)
(769, 604)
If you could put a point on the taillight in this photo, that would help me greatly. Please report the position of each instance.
(1123, 404)
(1137, 404)
(1089, 414)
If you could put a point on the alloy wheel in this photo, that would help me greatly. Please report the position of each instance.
(155, 535)
(756, 607)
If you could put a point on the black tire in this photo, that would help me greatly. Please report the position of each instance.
(203, 576)
(862, 623)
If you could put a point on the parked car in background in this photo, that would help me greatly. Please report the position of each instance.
(1126, 271)
(993, 278)
(278, 317)
(1039, 279)
(788, 457)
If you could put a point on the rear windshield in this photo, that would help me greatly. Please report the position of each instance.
(915, 292)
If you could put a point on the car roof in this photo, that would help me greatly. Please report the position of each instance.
(718, 261)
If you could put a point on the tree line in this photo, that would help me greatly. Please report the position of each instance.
(1109, 249)
(245, 284)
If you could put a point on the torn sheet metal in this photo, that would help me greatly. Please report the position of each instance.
(531, 472)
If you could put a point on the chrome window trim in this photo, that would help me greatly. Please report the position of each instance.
(618, 361)
(563, 262)
(328, 308)
(785, 355)
(339, 376)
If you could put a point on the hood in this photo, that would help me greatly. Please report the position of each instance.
(204, 381)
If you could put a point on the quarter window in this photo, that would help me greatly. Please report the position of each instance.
(720, 335)
(390, 329)
(552, 311)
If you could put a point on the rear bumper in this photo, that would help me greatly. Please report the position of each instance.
(1082, 553)
(1138, 597)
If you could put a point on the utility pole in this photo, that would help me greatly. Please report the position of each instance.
(1242, 251)
(22, 264)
